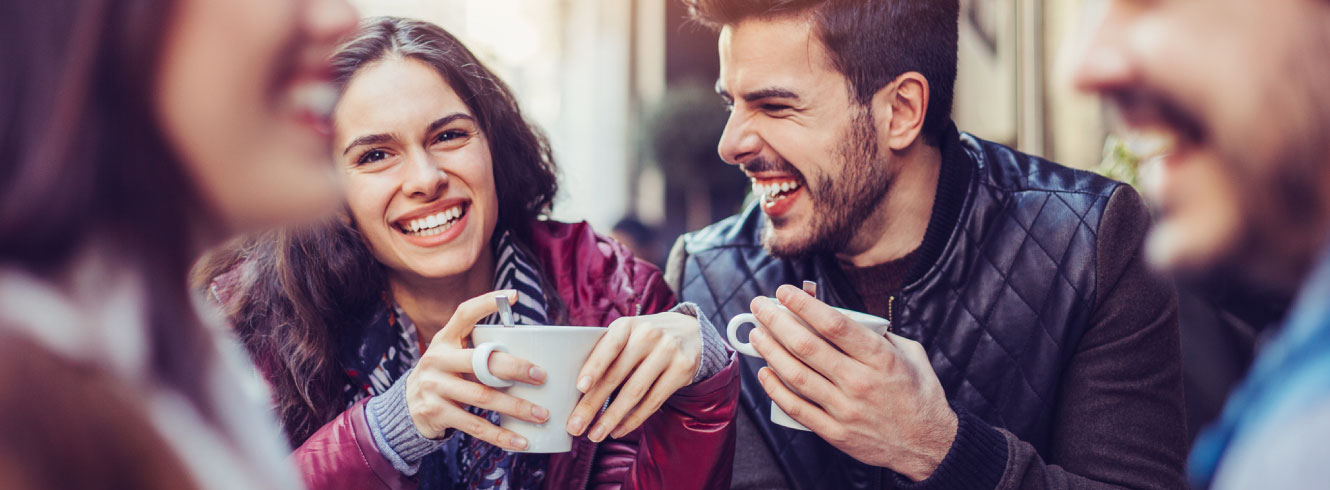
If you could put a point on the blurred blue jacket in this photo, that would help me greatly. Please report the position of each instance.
(1275, 427)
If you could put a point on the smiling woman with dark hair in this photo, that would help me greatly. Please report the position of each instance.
(355, 322)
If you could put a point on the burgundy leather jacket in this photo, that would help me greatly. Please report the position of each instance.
(688, 444)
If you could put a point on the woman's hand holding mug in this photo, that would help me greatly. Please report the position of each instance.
(442, 384)
(647, 358)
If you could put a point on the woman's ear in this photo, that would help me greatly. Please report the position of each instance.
(344, 217)
(900, 108)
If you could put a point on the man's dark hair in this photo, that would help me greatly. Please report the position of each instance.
(871, 41)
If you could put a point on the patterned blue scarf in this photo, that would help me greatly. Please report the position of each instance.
(389, 347)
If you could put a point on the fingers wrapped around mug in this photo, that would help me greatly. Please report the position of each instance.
(441, 386)
(798, 408)
(646, 359)
(842, 331)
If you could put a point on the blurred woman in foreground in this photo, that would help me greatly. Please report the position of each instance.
(360, 324)
(137, 134)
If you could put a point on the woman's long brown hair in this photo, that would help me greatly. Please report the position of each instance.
(84, 165)
(299, 293)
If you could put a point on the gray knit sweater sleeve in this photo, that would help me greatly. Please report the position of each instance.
(715, 353)
(394, 432)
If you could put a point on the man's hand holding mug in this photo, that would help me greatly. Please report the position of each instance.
(873, 396)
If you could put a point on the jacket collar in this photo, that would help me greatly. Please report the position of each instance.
(953, 188)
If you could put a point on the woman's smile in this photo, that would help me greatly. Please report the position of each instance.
(435, 225)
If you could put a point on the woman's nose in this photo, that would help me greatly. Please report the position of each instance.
(425, 178)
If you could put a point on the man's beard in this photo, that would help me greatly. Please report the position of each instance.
(1284, 203)
(840, 202)
(1287, 206)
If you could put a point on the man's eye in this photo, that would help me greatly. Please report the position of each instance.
(774, 107)
(371, 157)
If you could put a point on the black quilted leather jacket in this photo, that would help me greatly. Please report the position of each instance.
(1000, 295)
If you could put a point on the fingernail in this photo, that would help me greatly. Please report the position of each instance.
(511, 293)
(755, 336)
(617, 434)
(575, 425)
(584, 384)
(519, 442)
(537, 374)
(540, 412)
(598, 433)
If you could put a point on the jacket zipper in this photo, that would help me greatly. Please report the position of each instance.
(891, 308)
(595, 446)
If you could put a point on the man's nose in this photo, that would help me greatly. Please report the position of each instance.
(1105, 62)
(739, 143)
(328, 21)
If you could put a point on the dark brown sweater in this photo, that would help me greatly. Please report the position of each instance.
(1119, 421)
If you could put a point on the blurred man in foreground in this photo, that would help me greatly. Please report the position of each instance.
(1029, 348)
(1232, 94)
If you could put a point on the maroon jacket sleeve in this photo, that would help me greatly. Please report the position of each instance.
(689, 443)
(342, 455)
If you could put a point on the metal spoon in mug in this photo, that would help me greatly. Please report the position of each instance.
(505, 311)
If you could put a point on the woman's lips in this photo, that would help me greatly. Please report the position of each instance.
(435, 229)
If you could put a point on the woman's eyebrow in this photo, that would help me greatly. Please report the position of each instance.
(443, 121)
(372, 139)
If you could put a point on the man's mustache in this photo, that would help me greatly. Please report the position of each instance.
(1137, 105)
(765, 165)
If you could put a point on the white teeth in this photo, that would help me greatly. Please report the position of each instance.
(772, 190)
(434, 224)
(319, 98)
(1149, 143)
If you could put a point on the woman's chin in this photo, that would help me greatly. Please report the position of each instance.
(443, 264)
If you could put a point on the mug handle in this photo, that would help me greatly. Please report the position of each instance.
(480, 365)
(732, 331)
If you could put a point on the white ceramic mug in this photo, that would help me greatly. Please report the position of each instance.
(878, 325)
(560, 351)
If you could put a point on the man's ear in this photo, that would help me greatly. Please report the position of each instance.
(899, 109)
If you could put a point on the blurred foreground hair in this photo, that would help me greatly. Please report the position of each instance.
(84, 166)
(294, 295)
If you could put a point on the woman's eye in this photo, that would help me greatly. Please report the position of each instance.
(372, 156)
(451, 135)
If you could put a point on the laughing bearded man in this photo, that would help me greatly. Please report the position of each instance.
(1030, 346)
